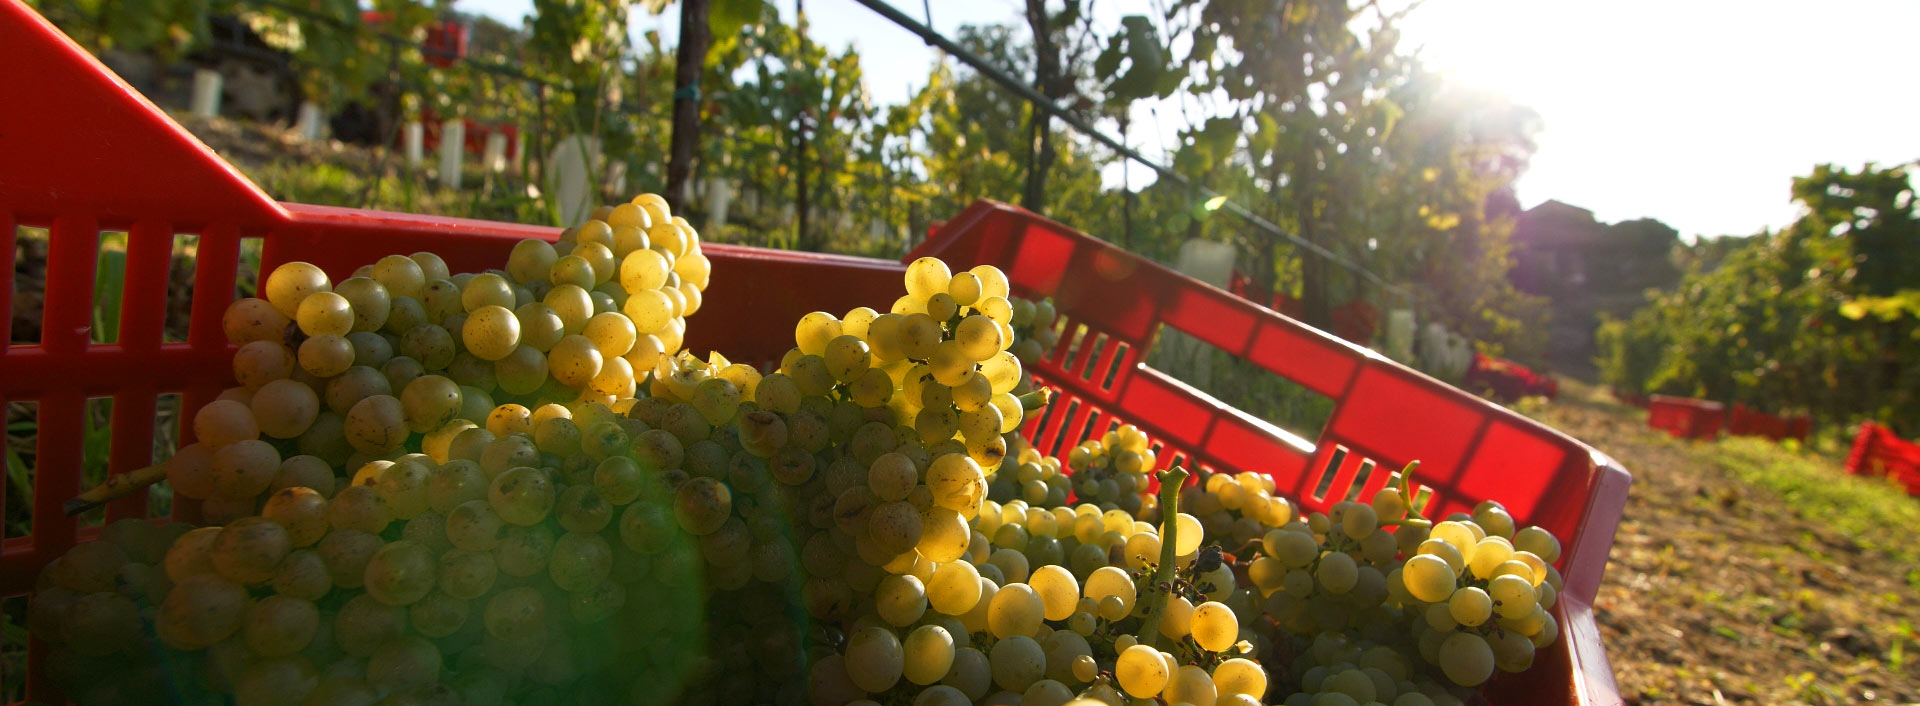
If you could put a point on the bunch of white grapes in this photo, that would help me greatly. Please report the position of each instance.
(1037, 480)
(1338, 589)
(364, 495)
(1051, 608)
(1035, 325)
(1482, 591)
(1114, 469)
(514, 488)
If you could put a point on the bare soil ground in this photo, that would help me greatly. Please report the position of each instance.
(1747, 572)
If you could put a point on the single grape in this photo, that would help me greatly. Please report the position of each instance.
(557, 436)
(1191, 535)
(895, 526)
(1539, 542)
(402, 487)
(1016, 610)
(359, 507)
(1428, 578)
(573, 304)
(957, 484)
(701, 505)
(364, 624)
(1214, 626)
(484, 290)
(508, 452)
(717, 400)
(400, 572)
(1178, 621)
(540, 325)
(1059, 591)
(900, 600)
(438, 614)
(491, 332)
(302, 511)
(303, 575)
(583, 509)
(356, 383)
(530, 260)
(260, 362)
(954, 588)
(291, 283)
(1141, 671)
(580, 561)
(1488, 555)
(516, 614)
(249, 320)
(442, 303)
(1466, 659)
(926, 277)
(242, 470)
(376, 424)
(370, 302)
(99, 624)
(574, 361)
(1513, 596)
(927, 654)
(249, 550)
(325, 313)
(431, 344)
(407, 314)
(473, 526)
(200, 611)
(223, 422)
(521, 496)
(280, 625)
(1190, 684)
(643, 270)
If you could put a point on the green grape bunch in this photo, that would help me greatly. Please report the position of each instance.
(516, 487)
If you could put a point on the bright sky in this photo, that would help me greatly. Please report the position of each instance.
(1695, 112)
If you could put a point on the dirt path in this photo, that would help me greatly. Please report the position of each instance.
(1722, 590)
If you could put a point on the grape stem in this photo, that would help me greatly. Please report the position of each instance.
(1164, 572)
(115, 488)
(1036, 399)
(1406, 496)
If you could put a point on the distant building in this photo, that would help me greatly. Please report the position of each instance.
(1586, 268)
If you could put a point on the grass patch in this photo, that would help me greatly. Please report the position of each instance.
(1871, 511)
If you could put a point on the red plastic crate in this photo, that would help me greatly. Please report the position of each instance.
(1747, 421)
(1113, 304)
(1506, 381)
(92, 155)
(475, 140)
(1685, 417)
(1877, 451)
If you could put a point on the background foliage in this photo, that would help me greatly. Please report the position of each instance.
(1337, 134)
(1822, 317)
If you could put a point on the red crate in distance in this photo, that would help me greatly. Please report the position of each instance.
(1686, 417)
(1877, 451)
(1747, 421)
